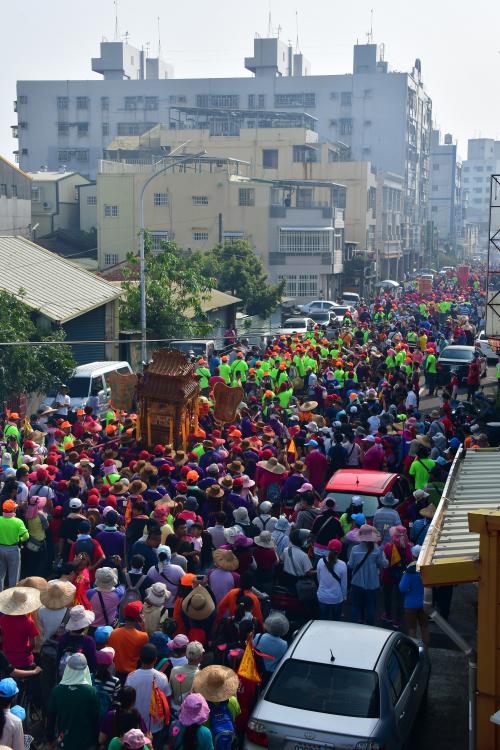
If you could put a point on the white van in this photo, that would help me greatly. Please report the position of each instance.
(351, 298)
(90, 380)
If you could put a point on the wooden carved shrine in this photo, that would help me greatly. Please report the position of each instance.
(167, 394)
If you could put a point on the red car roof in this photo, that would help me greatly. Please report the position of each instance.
(361, 481)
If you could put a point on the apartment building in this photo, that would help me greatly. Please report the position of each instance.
(55, 201)
(383, 116)
(15, 200)
(483, 160)
(445, 199)
(200, 200)
(389, 243)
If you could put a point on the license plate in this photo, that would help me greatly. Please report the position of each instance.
(305, 746)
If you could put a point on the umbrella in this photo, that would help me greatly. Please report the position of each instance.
(388, 284)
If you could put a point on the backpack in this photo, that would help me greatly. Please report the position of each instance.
(84, 546)
(132, 593)
(273, 492)
(222, 726)
(48, 655)
(105, 698)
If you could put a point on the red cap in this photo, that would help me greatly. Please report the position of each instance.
(132, 610)
(144, 456)
(335, 544)
(110, 462)
(29, 444)
(266, 454)
(158, 449)
(92, 501)
(111, 500)
(42, 475)
(165, 468)
(181, 487)
(237, 482)
(52, 471)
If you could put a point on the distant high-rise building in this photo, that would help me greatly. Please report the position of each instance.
(383, 116)
(445, 205)
(483, 160)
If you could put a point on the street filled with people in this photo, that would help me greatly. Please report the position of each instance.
(148, 595)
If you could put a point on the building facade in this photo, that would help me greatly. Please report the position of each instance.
(445, 201)
(55, 201)
(15, 200)
(389, 226)
(483, 160)
(199, 201)
(383, 117)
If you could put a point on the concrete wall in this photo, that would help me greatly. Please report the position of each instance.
(15, 200)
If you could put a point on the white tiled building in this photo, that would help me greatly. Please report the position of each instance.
(483, 160)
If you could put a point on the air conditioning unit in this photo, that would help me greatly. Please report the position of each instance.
(46, 205)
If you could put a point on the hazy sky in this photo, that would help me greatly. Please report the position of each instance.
(457, 43)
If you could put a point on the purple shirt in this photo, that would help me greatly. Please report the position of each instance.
(222, 581)
(112, 543)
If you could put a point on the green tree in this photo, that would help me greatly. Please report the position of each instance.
(32, 367)
(176, 289)
(240, 272)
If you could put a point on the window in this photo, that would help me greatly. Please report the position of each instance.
(308, 285)
(200, 235)
(200, 200)
(407, 654)
(302, 154)
(105, 128)
(435, 167)
(261, 102)
(110, 259)
(151, 102)
(219, 101)
(133, 102)
(64, 156)
(110, 210)
(346, 98)
(251, 101)
(291, 285)
(23, 125)
(344, 691)
(82, 102)
(23, 99)
(345, 125)
(478, 169)
(295, 100)
(465, 169)
(160, 199)
(35, 193)
(62, 102)
(14, 191)
(157, 238)
(3, 190)
(396, 677)
(134, 128)
(104, 102)
(304, 241)
(372, 198)
(270, 158)
(435, 188)
(91, 200)
(82, 129)
(82, 155)
(246, 197)
(62, 128)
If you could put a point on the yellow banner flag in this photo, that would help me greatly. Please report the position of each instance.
(248, 668)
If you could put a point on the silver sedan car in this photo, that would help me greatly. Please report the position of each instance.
(342, 686)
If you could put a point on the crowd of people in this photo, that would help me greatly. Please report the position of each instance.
(146, 594)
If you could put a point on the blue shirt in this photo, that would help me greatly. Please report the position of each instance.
(412, 587)
(271, 645)
(368, 574)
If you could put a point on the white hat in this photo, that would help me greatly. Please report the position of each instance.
(369, 439)
(157, 594)
(105, 579)
(79, 618)
(194, 650)
(75, 503)
(356, 500)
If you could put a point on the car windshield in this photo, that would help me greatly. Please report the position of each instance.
(79, 387)
(343, 500)
(199, 348)
(326, 689)
(465, 354)
(295, 323)
(320, 315)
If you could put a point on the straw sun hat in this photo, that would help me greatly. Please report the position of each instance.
(58, 595)
(216, 683)
(20, 600)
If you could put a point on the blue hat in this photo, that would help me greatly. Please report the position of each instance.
(102, 633)
(441, 460)
(358, 518)
(311, 444)
(8, 688)
(19, 712)
(454, 442)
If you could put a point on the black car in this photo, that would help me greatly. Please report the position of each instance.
(458, 358)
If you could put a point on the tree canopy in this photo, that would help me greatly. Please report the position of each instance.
(240, 272)
(175, 292)
(29, 368)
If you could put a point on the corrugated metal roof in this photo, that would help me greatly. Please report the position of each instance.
(472, 485)
(58, 288)
(52, 176)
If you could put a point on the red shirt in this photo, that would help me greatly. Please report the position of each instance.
(18, 632)
(317, 465)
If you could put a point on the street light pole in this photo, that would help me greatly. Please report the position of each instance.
(142, 262)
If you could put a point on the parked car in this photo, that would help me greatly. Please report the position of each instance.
(342, 685)
(341, 310)
(458, 358)
(369, 485)
(483, 345)
(317, 304)
(200, 347)
(296, 325)
(90, 380)
(351, 298)
(322, 317)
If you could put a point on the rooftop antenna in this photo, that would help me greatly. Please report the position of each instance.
(370, 33)
(270, 21)
(279, 31)
(159, 38)
(147, 45)
(117, 35)
(297, 45)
